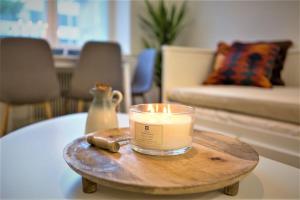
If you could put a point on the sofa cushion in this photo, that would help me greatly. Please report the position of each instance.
(224, 48)
(220, 55)
(279, 103)
(246, 64)
(283, 45)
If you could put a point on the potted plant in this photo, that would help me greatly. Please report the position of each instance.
(162, 26)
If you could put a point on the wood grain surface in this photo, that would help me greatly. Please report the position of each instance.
(214, 162)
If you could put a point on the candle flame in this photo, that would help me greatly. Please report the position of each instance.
(150, 109)
(167, 109)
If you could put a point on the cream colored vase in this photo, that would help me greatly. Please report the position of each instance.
(102, 113)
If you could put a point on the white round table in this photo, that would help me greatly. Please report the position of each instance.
(32, 166)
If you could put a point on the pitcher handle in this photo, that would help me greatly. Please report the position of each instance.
(117, 97)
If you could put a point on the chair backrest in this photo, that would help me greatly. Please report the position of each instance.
(27, 73)
(143, 77)
(98, 62)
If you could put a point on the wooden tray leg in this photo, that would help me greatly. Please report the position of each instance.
(232, 190)
(88, 186)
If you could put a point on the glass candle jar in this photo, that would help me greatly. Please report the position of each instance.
(161, 129)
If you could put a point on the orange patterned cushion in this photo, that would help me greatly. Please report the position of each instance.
(283, 45)
(220, 55)
(246, 64)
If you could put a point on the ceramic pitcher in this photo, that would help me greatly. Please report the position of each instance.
(102, 112)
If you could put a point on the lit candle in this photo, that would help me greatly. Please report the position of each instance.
(161, 129)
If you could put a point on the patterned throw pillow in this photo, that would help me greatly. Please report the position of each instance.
(246, 64)
(220, 55)
(223, 49)
(279, 61)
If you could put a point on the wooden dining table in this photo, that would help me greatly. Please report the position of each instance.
(32, 167)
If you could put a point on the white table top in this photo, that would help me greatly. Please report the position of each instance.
(32, 166)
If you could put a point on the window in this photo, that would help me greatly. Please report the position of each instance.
(80, 21)
(71, 23)
(23, 18)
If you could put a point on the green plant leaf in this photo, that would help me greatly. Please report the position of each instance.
(150, 29)
(174, 34)
(161, 26)
(177, 25)
(172, 13)
(181, 14)
(146, 43)
(163, 15)
(152, 14)
(172, 16)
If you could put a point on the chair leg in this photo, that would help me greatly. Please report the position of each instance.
(66, 106)
(80, 106)
(4, 124)
(48, 110)
(144, 98)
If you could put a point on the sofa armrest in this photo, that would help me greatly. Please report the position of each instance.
(184, 66)
(291, 70)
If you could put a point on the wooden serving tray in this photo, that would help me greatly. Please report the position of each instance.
(214, 162)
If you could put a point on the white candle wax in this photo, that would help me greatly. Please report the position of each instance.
(161, 131)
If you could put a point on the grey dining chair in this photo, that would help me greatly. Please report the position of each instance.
(98, 62)
(27, 75)
(143, 77)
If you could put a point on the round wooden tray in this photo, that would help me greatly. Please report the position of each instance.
(214, 162)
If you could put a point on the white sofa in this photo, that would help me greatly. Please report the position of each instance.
(268, 119)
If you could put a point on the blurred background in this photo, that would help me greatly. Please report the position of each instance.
(68, 24)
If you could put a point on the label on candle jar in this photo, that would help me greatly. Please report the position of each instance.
(147, 135)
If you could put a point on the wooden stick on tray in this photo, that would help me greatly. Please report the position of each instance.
(109, 139)
(103, 143)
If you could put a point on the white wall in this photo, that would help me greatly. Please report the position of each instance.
(212, 21)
